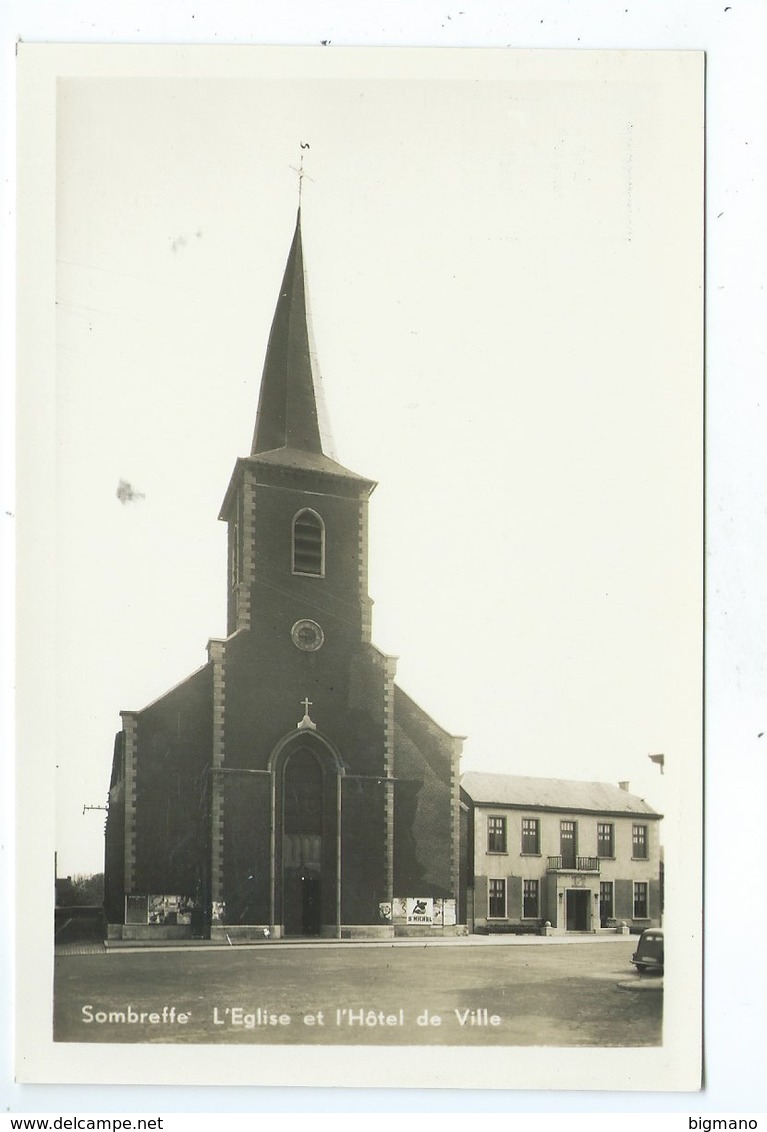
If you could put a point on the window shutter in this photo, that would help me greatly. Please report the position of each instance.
(653, 900)
(480, 898)
(514, 898)
(624, 900)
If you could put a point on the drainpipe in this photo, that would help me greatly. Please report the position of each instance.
(272, 848)
(338, 856)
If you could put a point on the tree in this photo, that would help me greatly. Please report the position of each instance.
(83, 888)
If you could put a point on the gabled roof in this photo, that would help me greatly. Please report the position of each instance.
(521, 792)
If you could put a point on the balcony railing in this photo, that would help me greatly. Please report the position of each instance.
(574, 864)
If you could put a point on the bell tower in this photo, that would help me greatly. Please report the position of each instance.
(297, 519)
(299, 632)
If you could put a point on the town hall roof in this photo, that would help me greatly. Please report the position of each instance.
(521, 792)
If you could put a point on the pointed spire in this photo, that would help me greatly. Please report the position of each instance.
(288, 415)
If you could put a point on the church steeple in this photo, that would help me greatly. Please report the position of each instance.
(300, 826)
(291, 508)
(292, 428)
(288, 409)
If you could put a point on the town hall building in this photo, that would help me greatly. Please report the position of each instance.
(574, 856)
(288, 787)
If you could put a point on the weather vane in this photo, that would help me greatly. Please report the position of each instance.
(300, 170)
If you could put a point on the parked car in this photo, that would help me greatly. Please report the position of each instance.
(649, 953)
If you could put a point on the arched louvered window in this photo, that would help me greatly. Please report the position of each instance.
(234, 554)
(308, 544)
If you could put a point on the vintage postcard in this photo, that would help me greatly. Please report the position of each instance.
(360, 544)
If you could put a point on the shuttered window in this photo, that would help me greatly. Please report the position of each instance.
(606, 908)
(639, 842)
(530, 902)
(496, 835)
(308, 544)
(496, 899)
(640, 900)
(605, 839)
(531, 842)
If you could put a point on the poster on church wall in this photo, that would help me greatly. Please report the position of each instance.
(496, 537)
(419, 911)
(399, 910)
(136, 910)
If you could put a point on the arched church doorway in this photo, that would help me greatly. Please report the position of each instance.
(308, 844)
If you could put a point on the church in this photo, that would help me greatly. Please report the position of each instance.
(288, 787)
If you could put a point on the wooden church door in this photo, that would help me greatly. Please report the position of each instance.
(302, 849)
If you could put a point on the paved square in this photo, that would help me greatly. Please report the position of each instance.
(499, 993)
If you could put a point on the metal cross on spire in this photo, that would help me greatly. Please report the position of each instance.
(300, 171)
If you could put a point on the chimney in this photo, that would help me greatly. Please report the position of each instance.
(624, 786)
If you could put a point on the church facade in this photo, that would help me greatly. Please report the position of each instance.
(289, 786)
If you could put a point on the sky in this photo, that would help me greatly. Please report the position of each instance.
(504, 267)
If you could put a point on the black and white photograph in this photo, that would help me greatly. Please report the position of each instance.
(365, 481)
